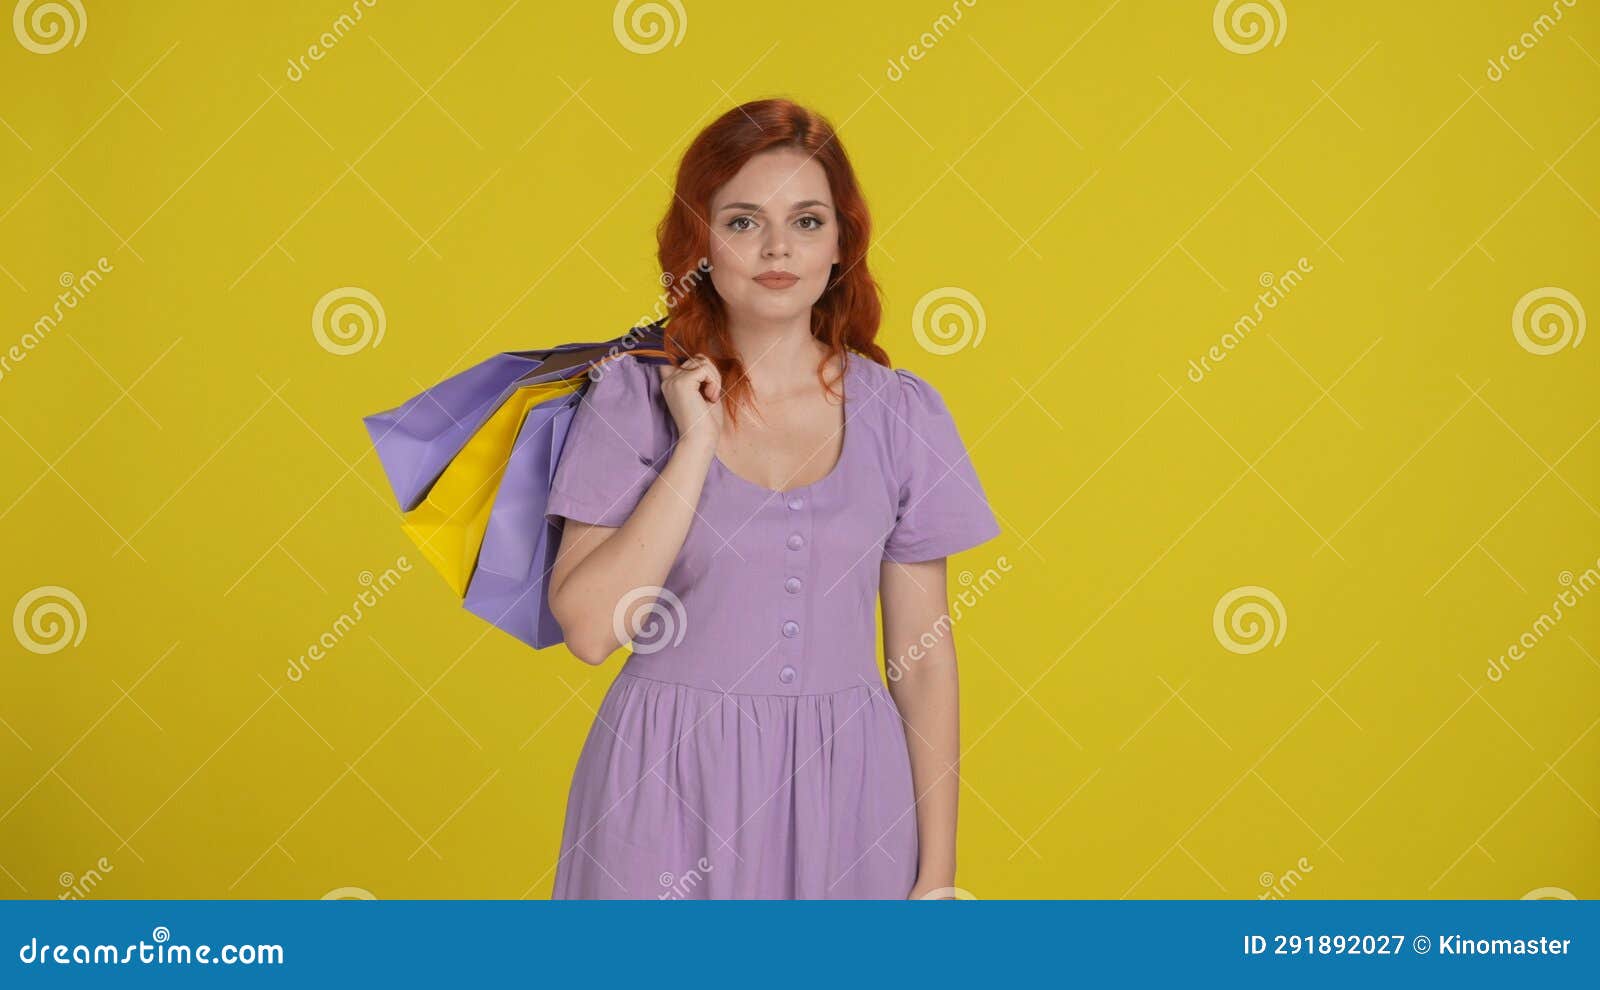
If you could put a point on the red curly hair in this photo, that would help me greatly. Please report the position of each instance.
(847, 314)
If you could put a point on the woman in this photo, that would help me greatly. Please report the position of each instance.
(748, 747)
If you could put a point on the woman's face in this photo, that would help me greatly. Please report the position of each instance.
(776, 214)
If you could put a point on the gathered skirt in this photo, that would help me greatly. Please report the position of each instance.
(681, 792)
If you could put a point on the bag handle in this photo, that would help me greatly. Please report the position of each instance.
(654, 352)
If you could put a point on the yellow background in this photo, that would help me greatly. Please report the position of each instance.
(1109, 181)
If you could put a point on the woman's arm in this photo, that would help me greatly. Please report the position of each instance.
(924, 685)
(596, 566)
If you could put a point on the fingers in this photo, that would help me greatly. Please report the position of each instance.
(700, 370)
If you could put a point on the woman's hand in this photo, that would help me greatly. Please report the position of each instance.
(927, 885)
(693, 391)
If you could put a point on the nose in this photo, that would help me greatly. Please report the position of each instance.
(777, 243)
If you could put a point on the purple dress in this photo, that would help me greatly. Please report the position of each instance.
(748, 747)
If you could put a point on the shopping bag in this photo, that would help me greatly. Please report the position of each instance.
(471, 461)
(417, 439)
(448, 525)
(509, 585)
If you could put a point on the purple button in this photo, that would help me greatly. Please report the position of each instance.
(788, 674)
(796, 501)
(791, 629)
(792, 586)
(796, 541)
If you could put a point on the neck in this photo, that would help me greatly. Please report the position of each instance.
(776, 353)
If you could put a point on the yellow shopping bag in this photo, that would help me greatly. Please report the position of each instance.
(448, 525)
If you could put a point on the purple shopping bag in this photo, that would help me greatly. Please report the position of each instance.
(509, 582)
(418, 439)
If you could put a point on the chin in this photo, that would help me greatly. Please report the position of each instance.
(775, 306)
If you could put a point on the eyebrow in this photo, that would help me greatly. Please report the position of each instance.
(756, 208)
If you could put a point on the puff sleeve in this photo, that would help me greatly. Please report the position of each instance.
(942, 508)
(613, 447)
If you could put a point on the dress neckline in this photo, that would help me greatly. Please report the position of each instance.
(847, 402)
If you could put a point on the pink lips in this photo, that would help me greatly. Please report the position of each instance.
(777, 279)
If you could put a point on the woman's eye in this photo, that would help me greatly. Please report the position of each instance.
(737, 223)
